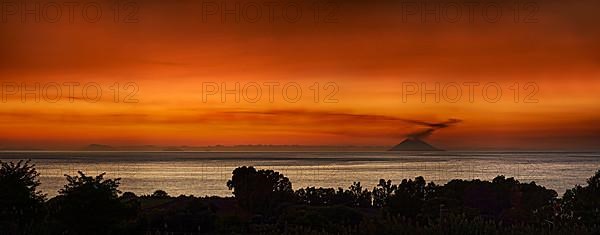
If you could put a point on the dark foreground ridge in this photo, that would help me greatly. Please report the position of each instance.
(264, 202)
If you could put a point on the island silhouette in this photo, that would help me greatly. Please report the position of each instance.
(414, 141)
(414, 144)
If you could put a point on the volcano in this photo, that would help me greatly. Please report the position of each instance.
(414, 144)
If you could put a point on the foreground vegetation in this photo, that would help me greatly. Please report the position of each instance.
(264, 202)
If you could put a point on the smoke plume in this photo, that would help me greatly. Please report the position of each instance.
(431, 127)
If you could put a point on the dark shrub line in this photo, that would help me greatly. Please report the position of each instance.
(265, 203)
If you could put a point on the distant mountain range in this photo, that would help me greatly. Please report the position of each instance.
(409, 144)
(348, 148)
(98, 147)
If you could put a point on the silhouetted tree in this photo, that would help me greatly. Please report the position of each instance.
(316, 196)
(20, 202)
(382, 192)
(408, 197)
(343, 197)
(524, 202)
(582, 204)
(361, 198)
(90, 205)
(180, 215)
(326, 219)
(160, 194)
(354, 196)
(128, 196)
(260, 190)
(503, 199)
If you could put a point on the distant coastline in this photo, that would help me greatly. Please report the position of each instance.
(278, 148)
(216, 148)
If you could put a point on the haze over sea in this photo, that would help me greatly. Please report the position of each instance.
(206, 173)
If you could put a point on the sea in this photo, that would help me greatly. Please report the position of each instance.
(206, 173)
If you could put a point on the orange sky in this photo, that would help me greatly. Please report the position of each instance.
(359, 52)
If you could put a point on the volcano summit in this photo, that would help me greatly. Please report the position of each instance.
(414, 144)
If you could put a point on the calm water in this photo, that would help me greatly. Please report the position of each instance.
(205, 173)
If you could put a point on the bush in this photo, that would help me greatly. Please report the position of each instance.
(408, 197)
(90, 205)
(160, 194)
(260, 191)
(21, 204)
(265, 204)
(321, 218)
(582, 204)
(316, 196)
(188, 214)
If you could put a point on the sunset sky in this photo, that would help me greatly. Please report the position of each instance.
(363, 56)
